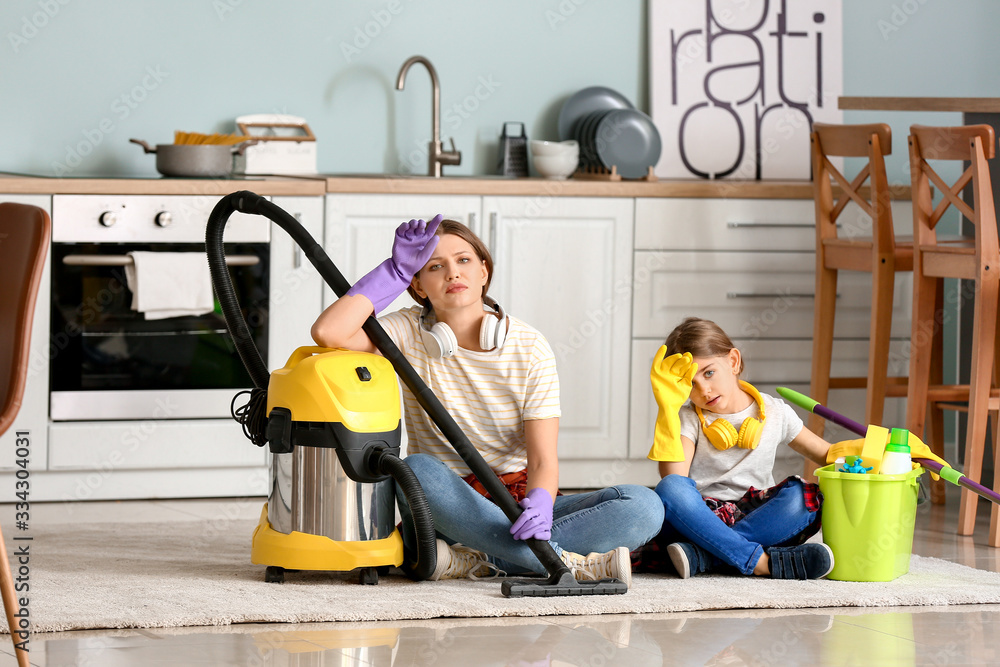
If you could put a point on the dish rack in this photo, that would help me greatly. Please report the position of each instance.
(592, 173)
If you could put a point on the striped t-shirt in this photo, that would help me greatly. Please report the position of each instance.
(488, 394)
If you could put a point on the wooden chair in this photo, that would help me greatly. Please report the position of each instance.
(976, 259)
(855, 247)
(24, 245)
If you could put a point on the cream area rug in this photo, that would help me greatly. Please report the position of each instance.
(173, 574)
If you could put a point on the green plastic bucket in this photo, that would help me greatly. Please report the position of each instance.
(868, 522)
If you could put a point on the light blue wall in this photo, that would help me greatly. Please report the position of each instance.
(498, 61)
(65, 66)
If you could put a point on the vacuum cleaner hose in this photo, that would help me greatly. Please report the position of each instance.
(224, 289)
(421, 565)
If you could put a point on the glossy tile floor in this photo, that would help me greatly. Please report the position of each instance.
(958, 635)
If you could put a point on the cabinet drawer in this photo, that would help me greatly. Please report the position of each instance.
(752, 295)
(153, 444)
(745, 224)
(724, 224)
(769, 364)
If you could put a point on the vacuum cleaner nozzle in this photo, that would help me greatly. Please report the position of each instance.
(561, 585)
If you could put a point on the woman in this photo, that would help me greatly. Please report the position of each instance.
(497, 377)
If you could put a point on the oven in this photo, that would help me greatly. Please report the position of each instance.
(108, 362)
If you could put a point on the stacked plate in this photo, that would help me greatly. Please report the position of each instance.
(610, 132)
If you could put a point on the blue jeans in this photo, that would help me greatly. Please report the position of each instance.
(775, 522)
(619, 516)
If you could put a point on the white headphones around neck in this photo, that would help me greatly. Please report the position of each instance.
(440, 341)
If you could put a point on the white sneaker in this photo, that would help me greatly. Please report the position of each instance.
(615, 564)
(457, 562)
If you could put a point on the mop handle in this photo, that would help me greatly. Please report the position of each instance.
(817, 408)
(945, 471)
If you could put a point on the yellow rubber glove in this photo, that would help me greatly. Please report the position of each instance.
(671, 378)
(844, 448)
(918, 450)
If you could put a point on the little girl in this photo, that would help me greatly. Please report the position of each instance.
(716, 454)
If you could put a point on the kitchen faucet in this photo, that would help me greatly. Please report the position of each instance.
(437, 156)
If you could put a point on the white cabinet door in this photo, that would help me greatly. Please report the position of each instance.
(296, 292)
(33, 417)
(360, 229)
(564, 266)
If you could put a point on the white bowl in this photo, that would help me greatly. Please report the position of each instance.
(555, 166)
(539, 147)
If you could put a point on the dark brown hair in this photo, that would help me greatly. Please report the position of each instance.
(456, 228)
(702, 338)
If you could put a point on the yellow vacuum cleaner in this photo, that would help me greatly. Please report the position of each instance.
(329, 410)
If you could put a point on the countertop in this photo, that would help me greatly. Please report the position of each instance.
(23, 184)
(391, 184)
(571, 187)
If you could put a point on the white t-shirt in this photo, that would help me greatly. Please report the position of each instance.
(727, 474)
(488, 394)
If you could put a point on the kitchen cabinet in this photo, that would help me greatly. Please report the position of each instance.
(296, 292)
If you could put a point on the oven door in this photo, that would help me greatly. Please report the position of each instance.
(109, 362)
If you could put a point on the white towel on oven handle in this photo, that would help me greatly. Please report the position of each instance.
(170, 284)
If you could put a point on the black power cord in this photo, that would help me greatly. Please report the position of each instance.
(252, 415)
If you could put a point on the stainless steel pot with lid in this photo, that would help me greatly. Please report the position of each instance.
(194, 160)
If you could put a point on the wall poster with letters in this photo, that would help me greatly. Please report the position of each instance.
(735, 85)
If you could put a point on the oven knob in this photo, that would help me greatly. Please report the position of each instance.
(108, 218)
(163, 218)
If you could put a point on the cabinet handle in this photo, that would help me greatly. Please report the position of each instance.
(296, 248)
(770, 225)
(769, 295)
(493, 230)
(472, 221)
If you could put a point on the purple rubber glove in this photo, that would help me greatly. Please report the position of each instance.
(536, 519)
(413, 246)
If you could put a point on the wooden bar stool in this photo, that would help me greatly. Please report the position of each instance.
(855, 247)
(976, 259)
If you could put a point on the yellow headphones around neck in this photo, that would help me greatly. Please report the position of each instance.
(724, 435)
